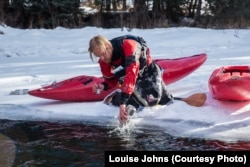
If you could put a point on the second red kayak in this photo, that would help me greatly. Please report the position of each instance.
(80, 88)
(230, 83)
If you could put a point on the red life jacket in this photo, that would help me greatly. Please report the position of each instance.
(130, 55)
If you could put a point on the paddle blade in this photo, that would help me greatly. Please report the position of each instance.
(196, 100)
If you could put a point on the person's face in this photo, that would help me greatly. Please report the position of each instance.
(105, 55)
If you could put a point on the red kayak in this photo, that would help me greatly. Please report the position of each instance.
(230, 83)
(80, 88)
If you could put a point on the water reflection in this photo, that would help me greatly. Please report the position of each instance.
(62, 144)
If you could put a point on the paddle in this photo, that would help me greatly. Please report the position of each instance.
(197, 99)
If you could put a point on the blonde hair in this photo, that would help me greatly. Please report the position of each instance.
(98, 41)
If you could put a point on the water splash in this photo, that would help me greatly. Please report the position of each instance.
(125, 129)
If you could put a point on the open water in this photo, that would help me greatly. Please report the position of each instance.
(82, 144)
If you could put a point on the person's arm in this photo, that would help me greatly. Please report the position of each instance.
(132, 51)
(110, 80)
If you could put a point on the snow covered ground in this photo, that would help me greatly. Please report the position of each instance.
(30, 59)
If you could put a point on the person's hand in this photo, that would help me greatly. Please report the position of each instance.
(97, 88)
(123, 115)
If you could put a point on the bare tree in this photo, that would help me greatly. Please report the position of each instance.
(141, 14)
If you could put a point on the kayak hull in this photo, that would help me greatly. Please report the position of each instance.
(230, 83)
(79, 88)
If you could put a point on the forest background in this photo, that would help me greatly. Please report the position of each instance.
(142, 14)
